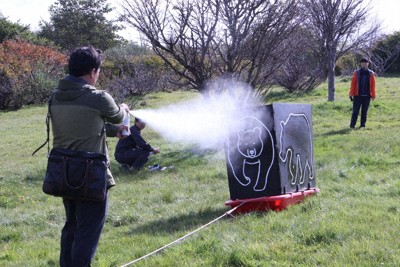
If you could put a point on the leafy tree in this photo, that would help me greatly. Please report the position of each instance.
(10, 30)
(76, 23)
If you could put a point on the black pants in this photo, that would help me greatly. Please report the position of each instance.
(363, 103)
(136, 158)
(81, 232)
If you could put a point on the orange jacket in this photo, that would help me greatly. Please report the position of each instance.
(354, 84)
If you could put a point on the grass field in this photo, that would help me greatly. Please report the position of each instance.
(354, 221)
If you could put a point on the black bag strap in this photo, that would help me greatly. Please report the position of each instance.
(48, 128)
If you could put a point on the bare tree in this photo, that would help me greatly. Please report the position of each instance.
(253, 31)
(337, 27)
(180, 32)
(302, 70)
(202, 40)
(237, 19)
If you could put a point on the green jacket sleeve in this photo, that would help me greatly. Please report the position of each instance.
(110, 110)
(111, 129)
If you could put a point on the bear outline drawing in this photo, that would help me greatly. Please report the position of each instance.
(251, 148)
(299, 161)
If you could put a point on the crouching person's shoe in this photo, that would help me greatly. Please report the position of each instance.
(124, 167)
(154, 167)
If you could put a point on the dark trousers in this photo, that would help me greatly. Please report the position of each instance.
(133, 157)
(363, 103)
(81, 232)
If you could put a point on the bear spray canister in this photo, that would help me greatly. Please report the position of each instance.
(126, 122)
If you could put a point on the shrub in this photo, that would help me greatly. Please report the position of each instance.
(28, 73)
(5, 90)
(346, 65)
(132, 70)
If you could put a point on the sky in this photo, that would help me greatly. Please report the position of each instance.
(31, 12)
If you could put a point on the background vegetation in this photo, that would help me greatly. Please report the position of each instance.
(78, 23)
(354, 221)
(28, 73)
(187, 44)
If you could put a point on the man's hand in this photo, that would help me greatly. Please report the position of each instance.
(156, 150)
(351, 98)
(125, 106)
(120, 129)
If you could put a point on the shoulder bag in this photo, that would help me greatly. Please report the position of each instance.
(74, 174)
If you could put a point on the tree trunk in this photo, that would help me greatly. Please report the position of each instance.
(331, 75)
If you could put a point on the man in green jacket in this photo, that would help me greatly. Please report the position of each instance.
(80, 115)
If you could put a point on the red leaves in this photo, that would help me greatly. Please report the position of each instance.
(28, 73)
(20, 58)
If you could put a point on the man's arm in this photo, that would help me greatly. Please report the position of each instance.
(353, 85)
(113, 130)
(113, 114)
(372, 86)
(110, 110)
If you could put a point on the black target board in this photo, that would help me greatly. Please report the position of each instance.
(270, 152)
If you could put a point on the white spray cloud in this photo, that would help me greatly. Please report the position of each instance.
(204, 121)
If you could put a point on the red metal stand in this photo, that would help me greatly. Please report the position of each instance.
(276, 203)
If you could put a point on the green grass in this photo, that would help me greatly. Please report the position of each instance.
(354, 221)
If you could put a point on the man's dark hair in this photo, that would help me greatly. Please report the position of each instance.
(83, 60)
(364, 59)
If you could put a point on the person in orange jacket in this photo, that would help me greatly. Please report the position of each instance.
(362, 90)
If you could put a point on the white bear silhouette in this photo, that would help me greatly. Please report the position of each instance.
(298, 155)
(247, 157)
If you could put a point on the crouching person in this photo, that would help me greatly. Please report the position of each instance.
(133, 152)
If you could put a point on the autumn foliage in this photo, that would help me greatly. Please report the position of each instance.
(28, 72)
